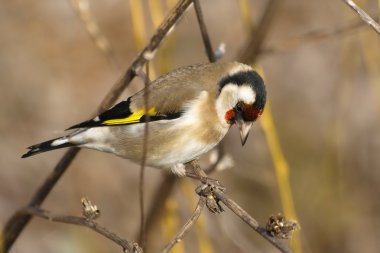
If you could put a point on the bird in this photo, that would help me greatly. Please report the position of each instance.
(190, 110)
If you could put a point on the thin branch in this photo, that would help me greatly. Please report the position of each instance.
(16, 224)
(188, 225)
(363, 15)
(203, 28)
(143, 159)
(242, 214)
(311, 37)
(125, 244)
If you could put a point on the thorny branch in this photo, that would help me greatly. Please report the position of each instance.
(75, 220)
(363, 15)
(219, 195)
(242, 214)
(16, 224)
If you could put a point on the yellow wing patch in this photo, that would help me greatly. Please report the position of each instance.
(133, 118)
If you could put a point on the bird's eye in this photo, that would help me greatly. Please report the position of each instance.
(239, 107)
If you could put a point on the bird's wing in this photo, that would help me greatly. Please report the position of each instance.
(167, 97)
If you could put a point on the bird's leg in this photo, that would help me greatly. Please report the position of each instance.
(199, 174)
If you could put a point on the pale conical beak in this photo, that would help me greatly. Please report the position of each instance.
(244, 128)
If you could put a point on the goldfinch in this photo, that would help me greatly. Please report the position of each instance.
(190, 111)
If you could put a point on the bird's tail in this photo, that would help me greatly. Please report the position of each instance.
(61, 142)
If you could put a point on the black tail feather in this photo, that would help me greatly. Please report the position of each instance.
(46, 146)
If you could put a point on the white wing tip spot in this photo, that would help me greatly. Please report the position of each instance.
(58, 142)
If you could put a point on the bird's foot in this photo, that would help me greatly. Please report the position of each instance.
(212, 202)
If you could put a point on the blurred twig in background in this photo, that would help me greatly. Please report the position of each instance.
(311, 37)
(242, 214)
(138, 23)
(188, 225)
(363, 15)
(82, 7)
(143, 159)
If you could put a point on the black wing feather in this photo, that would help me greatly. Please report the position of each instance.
(120, 111)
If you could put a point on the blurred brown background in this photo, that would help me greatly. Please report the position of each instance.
(324, 95)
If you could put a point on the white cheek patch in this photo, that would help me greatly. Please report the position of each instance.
(229, 95)
(246, 94)
(226, 100)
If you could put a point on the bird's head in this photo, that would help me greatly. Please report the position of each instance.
(241, 98)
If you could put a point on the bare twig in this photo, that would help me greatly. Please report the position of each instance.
(82, 8)
(242, 214)
(125, 244)
(18, 221)
(205, 37)
(188, 225)
(143, 159)
(363, 15)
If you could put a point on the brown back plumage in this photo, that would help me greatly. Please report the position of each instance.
(170, 92)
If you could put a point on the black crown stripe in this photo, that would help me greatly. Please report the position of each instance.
(251, 78)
